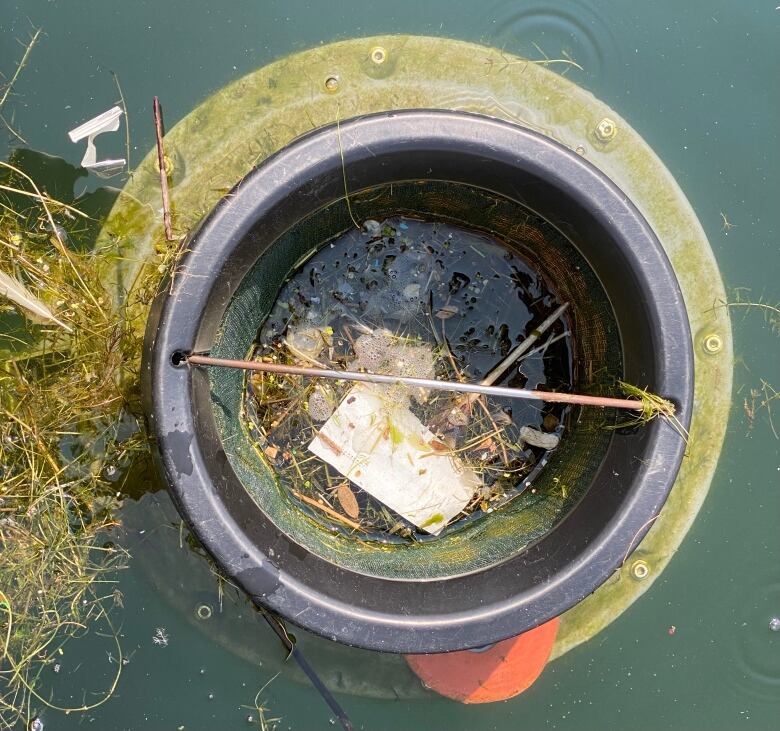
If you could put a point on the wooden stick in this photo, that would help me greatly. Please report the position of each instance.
(327, 510)
(521, 393)
(158, 131)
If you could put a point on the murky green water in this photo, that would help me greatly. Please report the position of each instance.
(698, 81)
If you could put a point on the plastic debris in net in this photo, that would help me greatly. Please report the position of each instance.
(382, 447)
(106, 122)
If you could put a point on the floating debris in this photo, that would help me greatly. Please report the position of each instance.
(380, 445)
(308, 342)
(160, 637)
(106, 122)
(537, 438)
(550, 422)
(446, 312)
(14, 290)
(347, 500)
(396, 462)
(371, 227)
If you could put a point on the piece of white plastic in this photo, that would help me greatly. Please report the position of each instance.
(381, 446)
(537, 438)
(106, 122)
(15, 291)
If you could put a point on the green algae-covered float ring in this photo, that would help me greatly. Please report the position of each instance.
(222, 139)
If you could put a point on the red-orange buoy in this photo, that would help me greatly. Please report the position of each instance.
(482, 676)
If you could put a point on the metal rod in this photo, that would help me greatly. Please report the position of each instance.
(521, 393)
(166, 201)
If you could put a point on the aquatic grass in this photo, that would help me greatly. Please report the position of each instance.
(263, 722)
(66, 432)
(761, 399)
(653, 407)
(771, 312)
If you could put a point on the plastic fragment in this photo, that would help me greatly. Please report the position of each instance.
(15, 291)
(106, 122)
(382, 447)
(537, 438)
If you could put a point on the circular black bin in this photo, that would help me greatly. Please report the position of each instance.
(519, 590)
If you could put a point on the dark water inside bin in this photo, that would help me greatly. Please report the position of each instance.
(458, 294)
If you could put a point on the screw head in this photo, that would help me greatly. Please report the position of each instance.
(168, 162)
(712, 343)
(606, 130)
(640, 570)
(332, 84)
(203, 611)
(378, 55)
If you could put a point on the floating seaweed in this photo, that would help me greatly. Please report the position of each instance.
(66, 435)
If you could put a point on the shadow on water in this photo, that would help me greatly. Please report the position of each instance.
(170, 560)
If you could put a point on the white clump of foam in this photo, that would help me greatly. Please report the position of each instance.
(383, 352)
(371, 350)
(321, 404)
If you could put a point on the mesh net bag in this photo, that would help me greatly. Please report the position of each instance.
(470, 545)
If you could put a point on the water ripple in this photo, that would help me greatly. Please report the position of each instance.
(755, 647)
(559, 29)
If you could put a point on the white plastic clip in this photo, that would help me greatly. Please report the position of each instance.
(106, 122)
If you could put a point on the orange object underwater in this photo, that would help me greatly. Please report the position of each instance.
(499, 672)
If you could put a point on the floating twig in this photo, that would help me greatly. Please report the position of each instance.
(546, 344)
(127, 119)
(158, 131)
(327, 510)
(10, 85)
(515, 354)
(344, 168)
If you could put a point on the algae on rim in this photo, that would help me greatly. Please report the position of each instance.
(271, 106)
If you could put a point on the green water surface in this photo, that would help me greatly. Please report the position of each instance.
(699, 81)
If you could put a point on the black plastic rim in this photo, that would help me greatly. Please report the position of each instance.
(444, 614)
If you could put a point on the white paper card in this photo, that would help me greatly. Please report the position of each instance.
(381, 446)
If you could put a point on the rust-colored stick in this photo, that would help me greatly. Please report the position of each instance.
(327, 509)
(521, 393)
(166, 201)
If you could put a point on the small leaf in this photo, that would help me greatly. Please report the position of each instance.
(347, 500)
(550, 422)
(446, 312)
